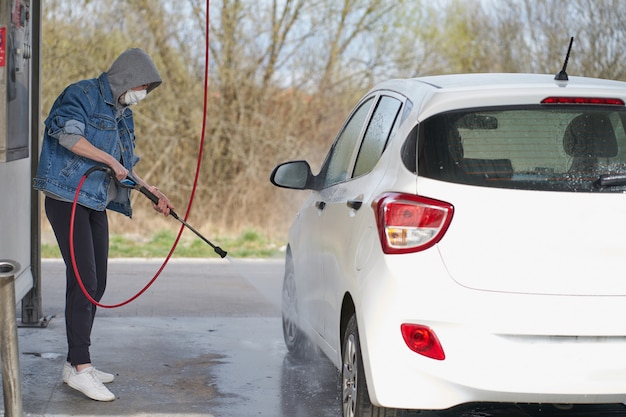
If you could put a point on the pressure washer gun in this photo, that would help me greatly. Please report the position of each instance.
(131, 182)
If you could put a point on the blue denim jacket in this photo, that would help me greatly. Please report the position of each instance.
(86, 108)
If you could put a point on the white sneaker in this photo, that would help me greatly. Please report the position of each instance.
(88, 383)
(104, 377)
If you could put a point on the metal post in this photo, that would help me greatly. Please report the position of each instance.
(32, 308)
(9, 353)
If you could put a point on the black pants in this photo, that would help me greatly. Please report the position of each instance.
(91, 250)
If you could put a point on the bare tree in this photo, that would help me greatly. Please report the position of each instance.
(284, 74)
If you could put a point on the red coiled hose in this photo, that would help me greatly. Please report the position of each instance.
(191, 197)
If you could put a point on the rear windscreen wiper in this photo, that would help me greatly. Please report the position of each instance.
(611, 180)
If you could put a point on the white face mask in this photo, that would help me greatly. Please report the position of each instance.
(132, 97)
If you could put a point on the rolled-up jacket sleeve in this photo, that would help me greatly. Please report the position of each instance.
(68, 140)
(70, 115)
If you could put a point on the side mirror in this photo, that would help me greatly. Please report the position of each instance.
(295, 175)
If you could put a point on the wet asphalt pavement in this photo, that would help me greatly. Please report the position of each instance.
(204, 340)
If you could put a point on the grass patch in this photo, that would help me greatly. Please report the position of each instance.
(50, 251)
(249, 244)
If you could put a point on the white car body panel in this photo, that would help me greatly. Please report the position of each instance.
(537, 242)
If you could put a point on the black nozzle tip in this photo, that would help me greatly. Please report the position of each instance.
(221, 252)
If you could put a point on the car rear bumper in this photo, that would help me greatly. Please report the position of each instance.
(498, 347)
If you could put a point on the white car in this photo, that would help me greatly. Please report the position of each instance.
(465, 241)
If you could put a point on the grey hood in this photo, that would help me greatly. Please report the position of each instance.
(131, 69)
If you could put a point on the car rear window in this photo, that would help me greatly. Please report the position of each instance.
(543, 147)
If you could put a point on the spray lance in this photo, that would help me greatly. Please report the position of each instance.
(131, 182)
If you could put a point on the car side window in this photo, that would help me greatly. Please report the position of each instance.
(340, 156)
(383, 123)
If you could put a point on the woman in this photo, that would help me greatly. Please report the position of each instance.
(91, 124)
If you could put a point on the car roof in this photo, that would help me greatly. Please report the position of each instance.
(501, 80)
(441, 92)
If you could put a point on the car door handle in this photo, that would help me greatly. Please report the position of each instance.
(320, 205)
(354, 204)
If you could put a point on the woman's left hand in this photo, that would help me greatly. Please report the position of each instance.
(164, 205)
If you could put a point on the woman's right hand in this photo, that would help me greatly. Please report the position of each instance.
(86, 149)
(119, 170)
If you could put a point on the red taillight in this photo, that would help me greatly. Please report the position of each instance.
(423, 340)
(583, 100)
(410, 223)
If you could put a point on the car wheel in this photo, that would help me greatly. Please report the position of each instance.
(294, 337)
(355, 398)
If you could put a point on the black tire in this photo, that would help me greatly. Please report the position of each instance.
(295, 339)
(355, 398)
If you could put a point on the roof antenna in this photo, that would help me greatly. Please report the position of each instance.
(562, 75)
